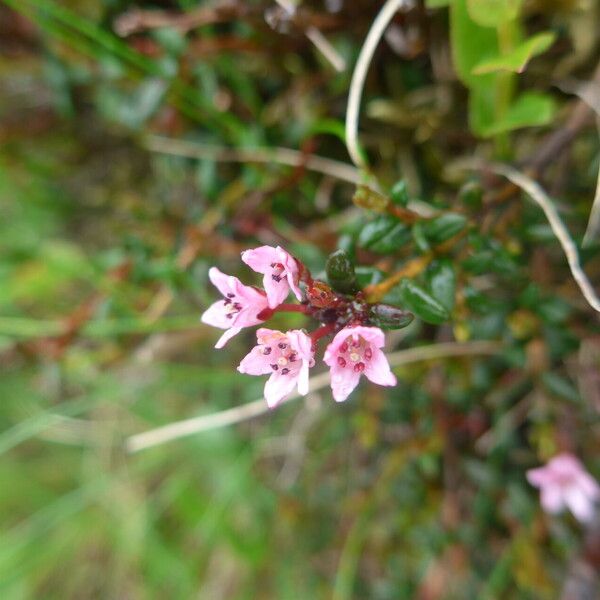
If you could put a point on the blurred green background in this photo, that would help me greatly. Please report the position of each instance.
(106, 237)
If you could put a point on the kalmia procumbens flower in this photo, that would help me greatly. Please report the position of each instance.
(239, 308)
(353, 352)
(280, 271)
(286, 356)
(564, 482)
(341, 310)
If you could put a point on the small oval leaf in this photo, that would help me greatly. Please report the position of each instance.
(387, 316)
(420, 302)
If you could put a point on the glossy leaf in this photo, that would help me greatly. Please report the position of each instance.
(444, 227)
(387, 316)
(422, 303)
(399, 193)
(441, 281)
(384, 234)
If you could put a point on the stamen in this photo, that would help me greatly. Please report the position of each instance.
(267, 350)
(285, 371)
(274, 367)
(341, 361)
(359, 367)
(292, 357)
(282, 346)
(344, 347)
(276, 278)
(368, 353)
(231, 295)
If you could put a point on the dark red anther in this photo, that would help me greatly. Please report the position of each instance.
(359, 367)
(341, 361)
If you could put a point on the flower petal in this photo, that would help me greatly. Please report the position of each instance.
(278, 387)
(301, 343)
(277, 291)
(589, 486)
(579, 504)
(343, 382)
(551, 499)
(378, 369)
(539, 477)
(216, 316)
(260, 259)
(229, 333)
(292, 271)
(255, 363)
(224, 283)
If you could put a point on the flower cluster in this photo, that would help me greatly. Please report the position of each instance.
(355, 349)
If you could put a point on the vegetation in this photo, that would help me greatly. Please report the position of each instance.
(142, 143)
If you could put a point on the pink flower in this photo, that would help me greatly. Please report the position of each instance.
(280, 271)
(286, 356)
(239, 308)
(356, 350)
(564, 482)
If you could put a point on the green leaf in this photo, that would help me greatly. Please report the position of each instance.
(420, 238)
(437, 3)
(368, 276)
(516, 60)
(470, 44)
(383, 235)
(529, 110)
(399, 193)
(444, 227)
(441, 281)
(492, 13)
(420, 302)
(340, 272)
(387, 316)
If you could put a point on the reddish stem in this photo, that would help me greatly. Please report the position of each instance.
(267, 313)
(301, 308)
(322, 331)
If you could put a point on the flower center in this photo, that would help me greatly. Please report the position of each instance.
(278, 272)
(231, 306)
(282, 357)
(354, 354)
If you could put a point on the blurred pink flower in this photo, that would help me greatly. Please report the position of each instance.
(239, 308)
(286, 356)
(280, 271)
(352, 352)
(564, 482)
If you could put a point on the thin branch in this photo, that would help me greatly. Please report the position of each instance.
(320, 42)
(238, 414)
(283, 156)
(593, 227)
(359, 75)
(541, 198)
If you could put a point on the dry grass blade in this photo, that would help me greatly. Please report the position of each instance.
(231, 416)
